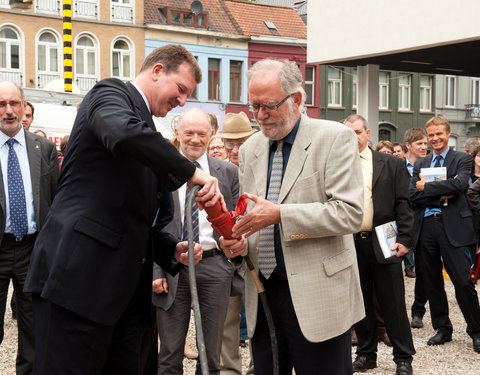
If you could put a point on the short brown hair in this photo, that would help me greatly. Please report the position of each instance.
(171, 56)
(31, 106)
(438, 120)
(413, 135)
(382, 144)
(353, 118)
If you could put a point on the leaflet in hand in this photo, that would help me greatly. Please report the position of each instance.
(434, 174)
(387, 237)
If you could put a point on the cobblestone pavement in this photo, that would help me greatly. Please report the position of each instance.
(454, 358)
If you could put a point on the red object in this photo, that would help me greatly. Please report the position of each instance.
(223, 222)
(475, 270)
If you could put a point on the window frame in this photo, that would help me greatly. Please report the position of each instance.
(402, 88)
(386, 87)
(450, 100)
(211, 79)
(95, 49)
(310, 83)
(236, 92)
(130, 53)
(48, 72)
(333, 85)
(183, 12)
(423, 90)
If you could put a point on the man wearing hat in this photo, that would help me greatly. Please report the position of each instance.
(235, 131)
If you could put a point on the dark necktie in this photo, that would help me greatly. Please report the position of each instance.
(195, 223)
(438, 158)
(266, 243)
(16, 194)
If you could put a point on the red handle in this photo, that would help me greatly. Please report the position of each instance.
(223, 222)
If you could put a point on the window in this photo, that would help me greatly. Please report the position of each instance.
(214, 79)
(334, 87)
(48, 58)
(10, 56)
(122, 60)
(186, 18)
(383, 90)
(476, 91)
(86, 63)
(450, 91)
(426, 93)
(235, 81)
(310, 85)
(384, 135)
(122, 10)
(354, 88)
(86, 8)
(48, 6)
(404, 89)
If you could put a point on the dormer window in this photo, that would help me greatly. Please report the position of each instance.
(186, 18)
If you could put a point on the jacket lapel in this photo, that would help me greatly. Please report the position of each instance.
(296, 160)
(377, 167)
(260, 167)
(142, 108)
(34, 159)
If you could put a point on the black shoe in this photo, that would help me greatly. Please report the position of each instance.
(362, 364)
(440, 338)
(476, 344)
(416, 322)
(404, 368)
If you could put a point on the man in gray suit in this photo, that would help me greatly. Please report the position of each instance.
(29, 171)
(214, 272)
(304, 246)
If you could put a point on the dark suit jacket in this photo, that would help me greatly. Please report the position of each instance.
(456, 216)
(96, 243)
(390, 201)
(227, 175)
(43, 161)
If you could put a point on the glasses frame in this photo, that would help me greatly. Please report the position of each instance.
(251, 106)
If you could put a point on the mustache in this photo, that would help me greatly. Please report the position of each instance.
(13, 117)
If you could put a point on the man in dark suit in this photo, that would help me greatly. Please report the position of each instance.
(385, 186)
(29, 171)
(214, 273)
(91, 269)
(444, 229)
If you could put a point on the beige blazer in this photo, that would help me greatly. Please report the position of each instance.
(321, 206)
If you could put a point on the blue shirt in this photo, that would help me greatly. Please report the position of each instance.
(286, 150)
(20, 147)
(429, 211)
(409, 166)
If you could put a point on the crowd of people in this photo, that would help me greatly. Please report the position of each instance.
(328, 223)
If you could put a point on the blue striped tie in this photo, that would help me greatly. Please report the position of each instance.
(266, 245)
(16, 194)
(195, 223)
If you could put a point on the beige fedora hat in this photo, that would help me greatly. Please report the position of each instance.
(236, 125)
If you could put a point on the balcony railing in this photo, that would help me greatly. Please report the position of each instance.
(48, 6)
(86, 8)
(85, 83)
(122, 12)
(44, 78)
(4, 2)
(15, 77)
(472, 111)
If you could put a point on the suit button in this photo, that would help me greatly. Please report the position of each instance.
(257, 250)
(143, 260)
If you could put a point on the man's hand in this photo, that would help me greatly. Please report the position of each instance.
(264, 213)
(420, 185)
(401, 249)
(181, 252)
(160, 285)
(233, 248)
(210, 193)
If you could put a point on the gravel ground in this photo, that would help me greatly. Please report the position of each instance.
(454, 358)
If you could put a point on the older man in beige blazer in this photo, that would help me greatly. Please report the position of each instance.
(308, 266)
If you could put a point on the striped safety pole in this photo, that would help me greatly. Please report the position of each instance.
(67, 45)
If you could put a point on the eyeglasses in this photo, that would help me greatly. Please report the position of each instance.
(266, 106)
(219, 148)
(13, 104)
(231, 144)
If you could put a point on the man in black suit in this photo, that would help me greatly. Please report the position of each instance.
(444, 229)
(25, 198)
(91, 269)
(385, 184)
(214, 273)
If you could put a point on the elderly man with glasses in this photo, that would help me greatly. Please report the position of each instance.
(304, 183)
